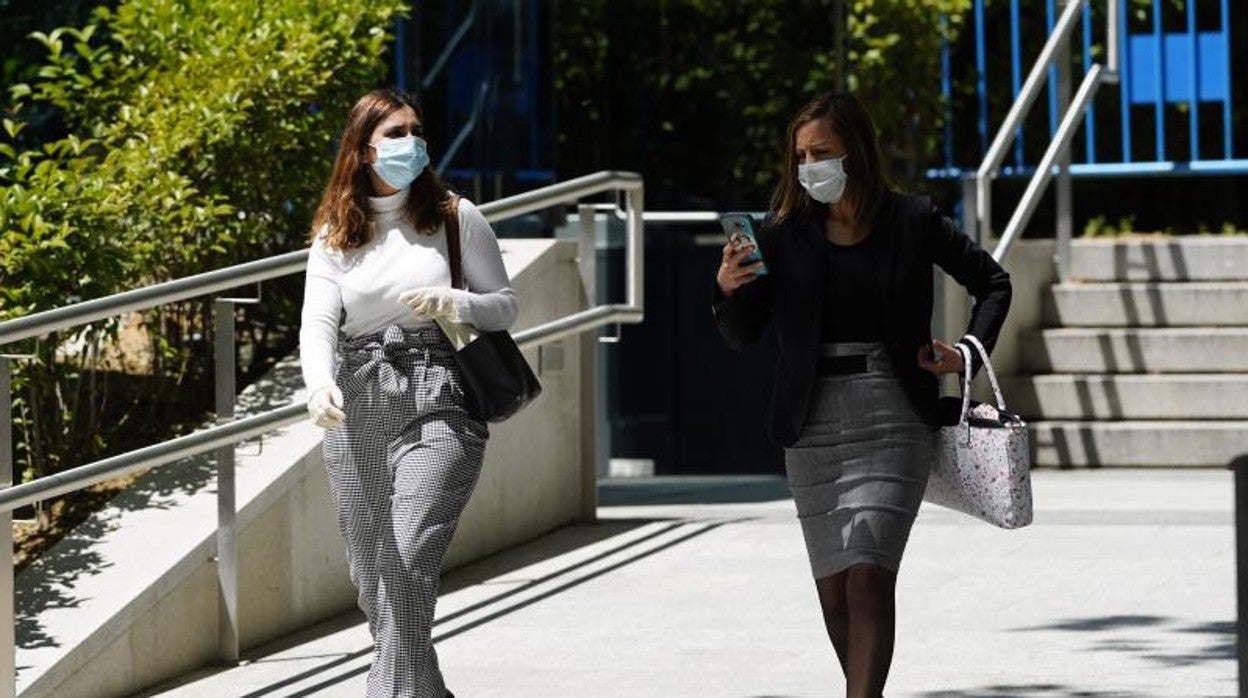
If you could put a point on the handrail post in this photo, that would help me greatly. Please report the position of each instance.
(1065, 223)
(587, 262)
(983, 204)
(227, 535)
(1239, 466)
(970, 197)
(8, 633)
(1044, 171)
(635, 197)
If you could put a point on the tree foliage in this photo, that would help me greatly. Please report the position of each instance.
(197, 134)
(697, 93)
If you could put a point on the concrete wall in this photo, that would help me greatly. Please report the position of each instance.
(129, 599)
(1032, 272)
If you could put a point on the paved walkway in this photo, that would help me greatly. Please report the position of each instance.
(1124, 586)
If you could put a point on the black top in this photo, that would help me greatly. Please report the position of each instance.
(853, 308)
(916, 238)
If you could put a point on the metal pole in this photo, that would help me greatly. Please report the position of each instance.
(227, 535)
(8, 634)
(587, 261)
(1044, 171)
(1065, 213)
(636, 247)
(1240, 466)
(970, 193)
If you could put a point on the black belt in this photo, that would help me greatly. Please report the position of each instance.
(842, 365)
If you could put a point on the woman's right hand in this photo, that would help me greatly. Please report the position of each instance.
(325, 407)
(732, 275)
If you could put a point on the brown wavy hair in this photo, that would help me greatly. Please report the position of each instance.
(867, 183)
(343, 212)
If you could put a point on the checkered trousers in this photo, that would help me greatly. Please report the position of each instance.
(401, 470)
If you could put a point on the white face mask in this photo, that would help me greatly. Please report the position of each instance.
(400, 160)
(824, 180)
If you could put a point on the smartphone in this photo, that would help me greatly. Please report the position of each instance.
(739, 227)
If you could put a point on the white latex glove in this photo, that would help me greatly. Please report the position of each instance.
(325, 406)
(429, 302)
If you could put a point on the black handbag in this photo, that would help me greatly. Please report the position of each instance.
(498, 382)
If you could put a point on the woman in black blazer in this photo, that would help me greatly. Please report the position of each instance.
(846, 282)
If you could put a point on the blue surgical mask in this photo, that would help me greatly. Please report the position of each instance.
(400, 160)
(824, 180)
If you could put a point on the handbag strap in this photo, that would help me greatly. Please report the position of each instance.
(992, 375)
(452, 244)
(966, 381)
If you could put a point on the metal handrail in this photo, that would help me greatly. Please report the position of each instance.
(1057, 154)
(576, 323)
(470, 125)
(163, 453)
(201, 284)
(1058, 148)
(451, 45)
(152, 296)
(222, 437)
(280, 265)
(562, 193)
(1018, 111)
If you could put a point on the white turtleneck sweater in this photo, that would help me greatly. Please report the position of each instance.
(358, 290)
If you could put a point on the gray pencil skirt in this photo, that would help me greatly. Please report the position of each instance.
(860, 467)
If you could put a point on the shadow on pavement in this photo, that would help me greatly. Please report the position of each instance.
(635, 550)
(1031, 691)
(727, 489)
(1154, 647)
(552, 545)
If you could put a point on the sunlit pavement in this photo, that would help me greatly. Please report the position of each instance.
(1124, 586)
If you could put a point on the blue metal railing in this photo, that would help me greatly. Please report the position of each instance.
(1160, 67)
(499, 46)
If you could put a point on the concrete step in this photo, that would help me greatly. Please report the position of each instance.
(1115, 397)
(1186, 258)
(1161, 350)
(1147, 304)
(1138, 444)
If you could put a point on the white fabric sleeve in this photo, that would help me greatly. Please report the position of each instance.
(318, 329)
(489, 304)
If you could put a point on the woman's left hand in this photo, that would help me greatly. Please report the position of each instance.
(950, 360)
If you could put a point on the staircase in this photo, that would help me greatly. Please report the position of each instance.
(1143, 359)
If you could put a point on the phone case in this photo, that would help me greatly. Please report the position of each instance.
(739, 227)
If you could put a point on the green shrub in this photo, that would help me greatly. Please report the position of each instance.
(199, 135)
(1098, 226)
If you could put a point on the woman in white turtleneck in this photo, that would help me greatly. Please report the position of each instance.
(401, 450)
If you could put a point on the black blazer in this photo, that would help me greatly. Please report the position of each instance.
(791, 296)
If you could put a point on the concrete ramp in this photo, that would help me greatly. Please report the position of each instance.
(129, 599)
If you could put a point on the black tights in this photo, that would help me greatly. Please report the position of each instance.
(859, 611)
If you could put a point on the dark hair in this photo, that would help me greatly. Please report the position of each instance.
(343, 212)
(867, 184)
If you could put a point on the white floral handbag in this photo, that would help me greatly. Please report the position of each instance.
(983, 462)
